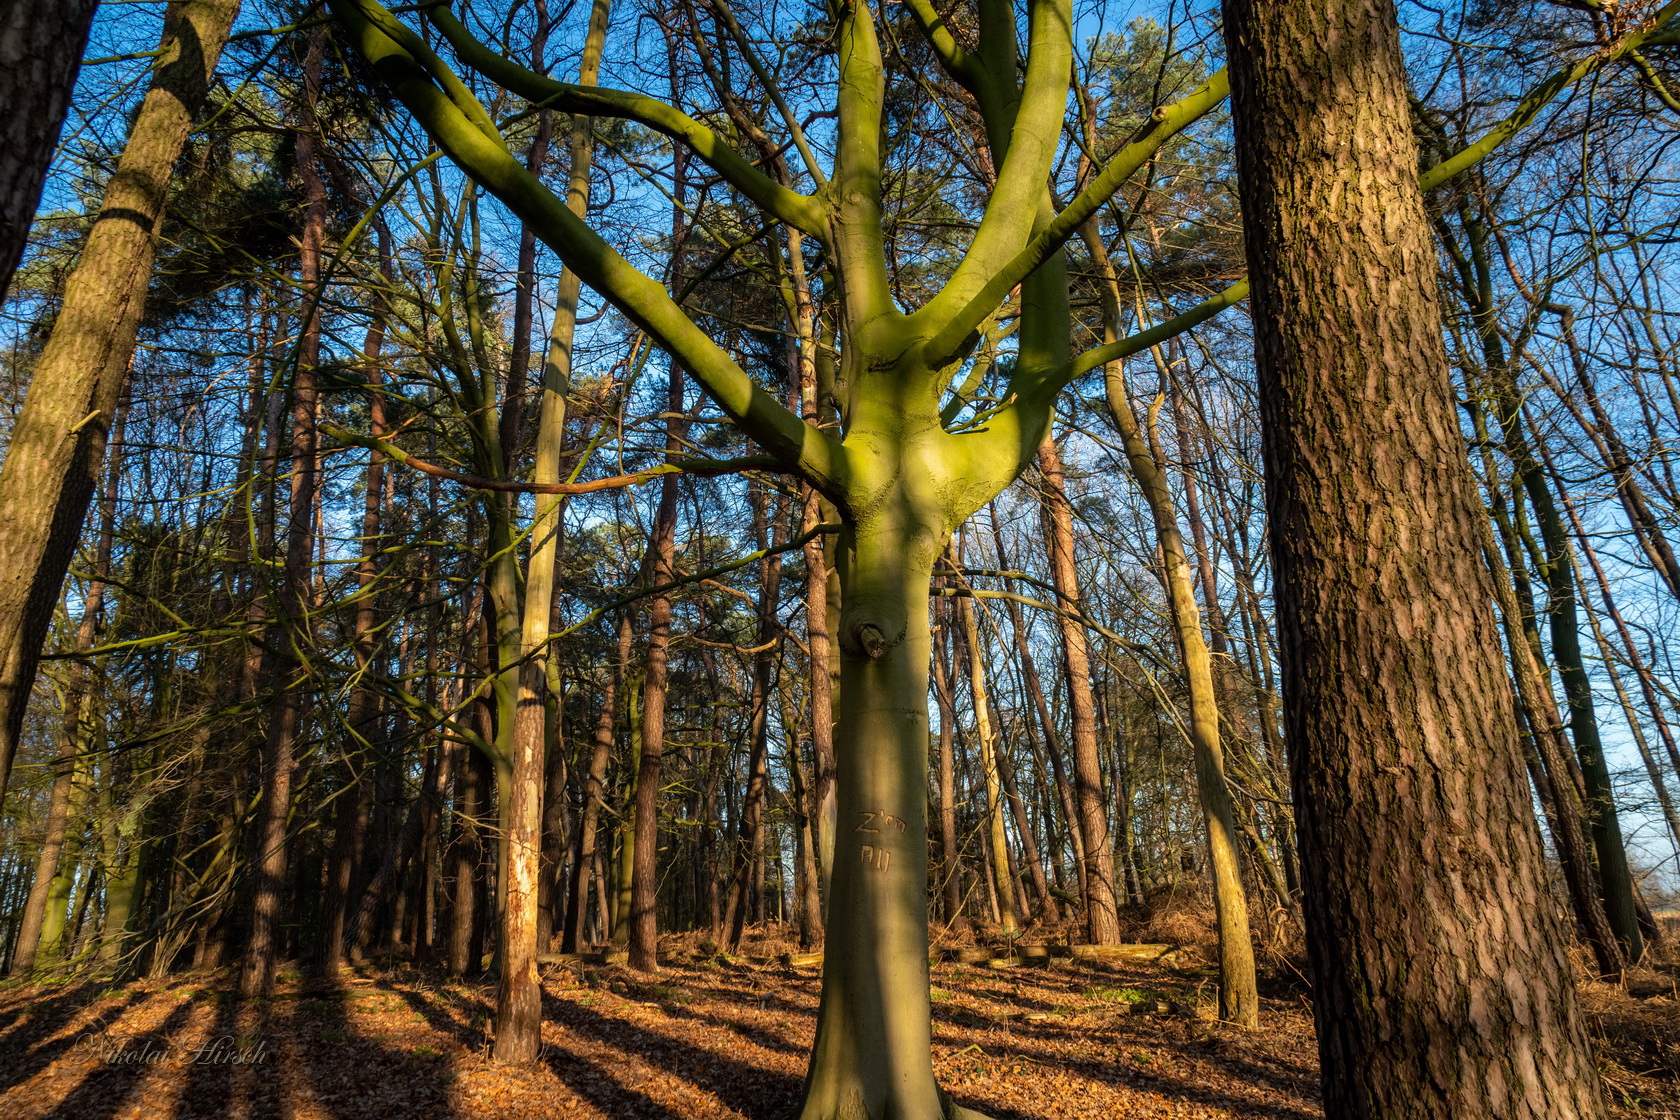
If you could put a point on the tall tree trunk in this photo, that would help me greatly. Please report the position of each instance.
(745, 883)
(343, 864)
(58, 441)
(1409, 792)
(519, 995)
(660, 568)
(256, 974)
(643, 922)
(1553, 783)
(997, 844)
(871, 1056)
(1102, 922)
(950, 881)
(624, 868)
(41, 43)
(583, 858)
(1239, 1001)
(74, 737)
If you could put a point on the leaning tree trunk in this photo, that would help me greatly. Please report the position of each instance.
(74, 741)
(1409, 789)
(1239, 1002)
(57, 444)
(41, 45)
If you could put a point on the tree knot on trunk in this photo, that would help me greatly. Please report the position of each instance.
(871, 636)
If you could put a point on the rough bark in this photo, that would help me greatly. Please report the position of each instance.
(256, 976)
(1408, 785)
(58, 442)
(1102, 922)
(41, 43)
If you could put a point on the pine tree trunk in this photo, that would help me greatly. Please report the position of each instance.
(58, 440)
(256, 975)
(643, 925)
(584, 861)
(1408, 785)
(41, 43)
(1102, 922)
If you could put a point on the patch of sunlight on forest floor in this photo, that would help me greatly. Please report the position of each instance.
(707, 1039)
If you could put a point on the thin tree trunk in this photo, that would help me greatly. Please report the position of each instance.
(950, 884)
(996, 841)
(1102, 922)
(519, 995)
(1238, 1000)
(584, 857)
(256, 976)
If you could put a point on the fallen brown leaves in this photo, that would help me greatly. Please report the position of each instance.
(701, 1041)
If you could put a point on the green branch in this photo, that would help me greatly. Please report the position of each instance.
(798, 210)
(452, 117)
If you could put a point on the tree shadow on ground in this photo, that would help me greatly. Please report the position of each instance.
(38, 1037)
(1244, 1070)
(756, 1093)
(109, 1081)
(351, 1074)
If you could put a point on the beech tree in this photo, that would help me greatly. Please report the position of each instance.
(901, 481)
(369, 660)
(902, 475)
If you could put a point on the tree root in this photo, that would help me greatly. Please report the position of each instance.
(955, 1111)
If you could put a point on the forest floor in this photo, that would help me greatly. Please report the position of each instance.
(704, 1040)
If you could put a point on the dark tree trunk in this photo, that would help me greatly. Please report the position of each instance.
(661, 569)
(263, 942)
(584, 862)
(1409, 790)
(41, 45)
